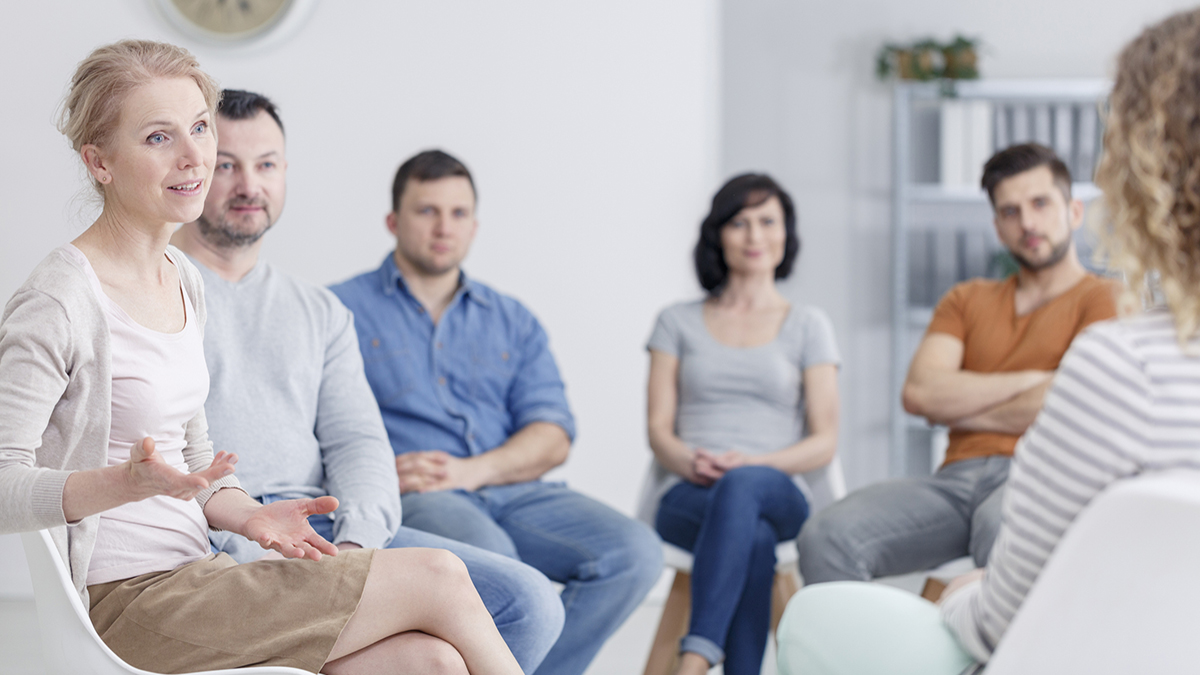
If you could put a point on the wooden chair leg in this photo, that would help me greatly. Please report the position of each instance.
(786, 585)
(664, 653)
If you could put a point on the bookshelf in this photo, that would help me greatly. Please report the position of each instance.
(942, 230)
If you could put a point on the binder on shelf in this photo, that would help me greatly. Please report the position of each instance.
(953, 144)
(966, 142)
(1019, 132)
(979, 139)
(1064, 133)
(1085, 156)
(1041, 125)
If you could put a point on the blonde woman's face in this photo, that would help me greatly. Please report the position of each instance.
(159, 163)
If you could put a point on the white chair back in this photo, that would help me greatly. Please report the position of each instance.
(70, 645)
(1120, 592)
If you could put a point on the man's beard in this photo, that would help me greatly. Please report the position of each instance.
(224, 234)
(1056, 256)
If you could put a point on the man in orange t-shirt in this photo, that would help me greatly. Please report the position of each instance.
(982, 369)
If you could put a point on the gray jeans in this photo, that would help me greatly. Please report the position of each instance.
(907, 525)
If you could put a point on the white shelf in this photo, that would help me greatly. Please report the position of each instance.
(1076, 90)
(933, 193)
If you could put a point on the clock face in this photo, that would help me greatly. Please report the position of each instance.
(232, 17)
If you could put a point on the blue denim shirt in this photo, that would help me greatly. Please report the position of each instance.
(464, 385)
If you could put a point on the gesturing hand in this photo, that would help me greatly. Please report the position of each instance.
(283, 526)
(149, 475)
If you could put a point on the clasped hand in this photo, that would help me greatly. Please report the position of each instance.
(708, 468)
(433, 470)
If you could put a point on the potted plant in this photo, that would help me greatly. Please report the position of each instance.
(961, 58)
(929, 59)
(919, 61)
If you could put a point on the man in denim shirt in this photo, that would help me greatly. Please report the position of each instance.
(476, 414)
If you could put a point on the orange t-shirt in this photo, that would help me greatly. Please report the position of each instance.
(982, 314)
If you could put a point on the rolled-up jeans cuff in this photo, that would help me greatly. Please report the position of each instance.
(704, 647)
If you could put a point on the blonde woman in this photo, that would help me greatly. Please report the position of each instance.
(1126, 398)
(103, 438)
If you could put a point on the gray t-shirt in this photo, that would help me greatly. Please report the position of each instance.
(745, 398)
(289, 396)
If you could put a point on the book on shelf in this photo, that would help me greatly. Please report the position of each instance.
(966, 142)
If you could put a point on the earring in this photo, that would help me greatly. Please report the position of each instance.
(104, 179)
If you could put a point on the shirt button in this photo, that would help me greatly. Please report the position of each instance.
(421, 310)
(375, 342)
(470, 437)
(439, 345)
(504, 355)
(442, 381)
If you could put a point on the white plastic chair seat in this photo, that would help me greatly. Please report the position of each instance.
(1120, 592)
(70, 644)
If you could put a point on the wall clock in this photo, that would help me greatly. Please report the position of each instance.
(232, 22)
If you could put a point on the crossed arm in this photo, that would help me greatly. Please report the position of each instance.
(281, 526)
(703, 466)
(938, 389)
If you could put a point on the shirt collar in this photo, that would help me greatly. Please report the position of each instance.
(393, 280)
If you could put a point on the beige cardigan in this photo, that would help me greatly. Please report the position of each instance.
(56, 402)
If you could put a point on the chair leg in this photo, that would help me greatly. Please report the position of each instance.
(664, 653)
(786, 584)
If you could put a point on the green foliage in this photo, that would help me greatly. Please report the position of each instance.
(929, 59)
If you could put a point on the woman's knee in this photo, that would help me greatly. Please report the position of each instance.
(441, 658)
(437, 569)
(422, 653)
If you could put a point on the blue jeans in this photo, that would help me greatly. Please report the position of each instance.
(520, 599)
(732, 528)
(606, 561)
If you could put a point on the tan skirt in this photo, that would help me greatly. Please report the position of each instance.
(213, 613)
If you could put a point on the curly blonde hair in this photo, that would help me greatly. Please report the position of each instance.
(1150, 172)
(92, 107)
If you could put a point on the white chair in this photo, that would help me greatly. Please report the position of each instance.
(70, 644)
(1121, 591)
(827, 485)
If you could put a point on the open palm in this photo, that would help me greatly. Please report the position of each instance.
(283, 526)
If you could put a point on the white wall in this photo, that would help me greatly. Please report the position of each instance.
(591, 129)
(800, 101)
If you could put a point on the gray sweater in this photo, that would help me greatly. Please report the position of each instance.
(56, 402)
(289, 396)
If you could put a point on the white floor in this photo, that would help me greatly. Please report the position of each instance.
(624, 654)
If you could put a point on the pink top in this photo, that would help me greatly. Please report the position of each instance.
(159, 382)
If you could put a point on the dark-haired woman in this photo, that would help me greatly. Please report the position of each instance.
(742, 398)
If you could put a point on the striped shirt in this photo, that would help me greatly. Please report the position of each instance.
(1126, 399)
